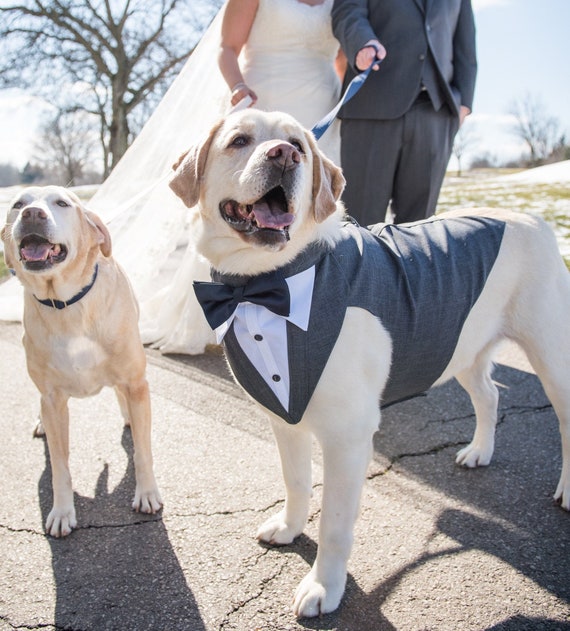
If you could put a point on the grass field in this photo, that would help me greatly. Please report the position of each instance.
(491, 188)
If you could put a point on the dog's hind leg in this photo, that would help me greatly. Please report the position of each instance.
(147, 497)
(559, 395)
(477, 381)
(55, 418)
(547, 346)
(294, 446)
(539, 324)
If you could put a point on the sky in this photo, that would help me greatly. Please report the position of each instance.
(523, 48)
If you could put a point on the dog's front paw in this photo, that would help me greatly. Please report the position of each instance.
(277, 531)
(60, 522)
(314, 597)
(474, 455)
(147, 501)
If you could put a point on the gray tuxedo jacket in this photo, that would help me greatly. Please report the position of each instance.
(439, 33)
(421, 280)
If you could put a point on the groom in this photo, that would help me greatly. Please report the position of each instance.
(397, 133)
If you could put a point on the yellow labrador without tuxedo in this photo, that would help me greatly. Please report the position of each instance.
(80, 332)
(269, 209)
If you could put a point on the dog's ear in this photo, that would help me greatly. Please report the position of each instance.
(103, 232)
(189, 170)
(4, 235)
(179, 161)
(328, 183)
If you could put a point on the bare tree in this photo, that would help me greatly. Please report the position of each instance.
(104, 56)
(9, 174)
(540, 132)
(66, 147)
(463, 142)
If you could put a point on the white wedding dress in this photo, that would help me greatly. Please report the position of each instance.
(288, 61)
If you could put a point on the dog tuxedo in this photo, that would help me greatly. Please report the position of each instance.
(420, 280)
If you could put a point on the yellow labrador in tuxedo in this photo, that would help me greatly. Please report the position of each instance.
(268, 199)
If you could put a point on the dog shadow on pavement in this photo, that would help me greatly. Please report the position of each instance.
(505, 510)
(508, 513)
(121, 573)
(515, 490)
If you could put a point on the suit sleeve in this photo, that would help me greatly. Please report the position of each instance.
(464, 55)
(351, 27)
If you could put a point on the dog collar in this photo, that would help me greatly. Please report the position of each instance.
(61, 304)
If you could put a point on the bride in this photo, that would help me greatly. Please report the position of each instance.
(287, 55)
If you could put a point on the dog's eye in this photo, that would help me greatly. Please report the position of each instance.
(18, 205)
(297, 144)
(240, 141)
(62, 203)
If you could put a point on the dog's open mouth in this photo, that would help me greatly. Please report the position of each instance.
(267, 218)
(37, 253)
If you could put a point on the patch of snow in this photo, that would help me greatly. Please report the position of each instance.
(557, 172)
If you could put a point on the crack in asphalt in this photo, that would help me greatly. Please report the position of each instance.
(41, 533)
(237, 607)
(502, 413)
(224, 513)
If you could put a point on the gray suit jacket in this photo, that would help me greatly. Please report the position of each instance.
(442, 33)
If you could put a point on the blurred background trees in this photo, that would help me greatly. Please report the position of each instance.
(540, 132)
(103, 63)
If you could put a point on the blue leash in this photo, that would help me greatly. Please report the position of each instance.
(320, 128)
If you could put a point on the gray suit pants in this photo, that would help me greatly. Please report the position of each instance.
(401, 161)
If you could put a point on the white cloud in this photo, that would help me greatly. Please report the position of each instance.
(479, 5)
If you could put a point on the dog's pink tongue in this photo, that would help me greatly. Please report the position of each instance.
(267, 216)
(36, 252)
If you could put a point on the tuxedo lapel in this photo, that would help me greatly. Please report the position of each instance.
(309, 351)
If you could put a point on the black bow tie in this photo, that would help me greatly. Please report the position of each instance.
(219, 301)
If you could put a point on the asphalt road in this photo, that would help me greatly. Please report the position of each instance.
(437, 547)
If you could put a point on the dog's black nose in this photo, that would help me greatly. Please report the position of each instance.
(284, 154)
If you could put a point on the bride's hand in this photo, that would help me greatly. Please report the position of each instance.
(240, 91)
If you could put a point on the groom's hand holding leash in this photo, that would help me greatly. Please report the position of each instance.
(366, 55)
